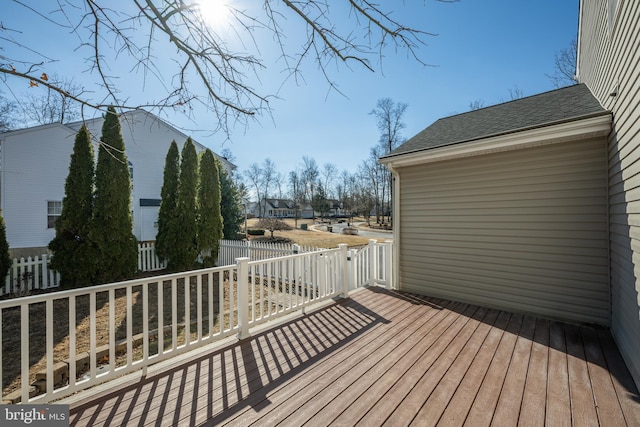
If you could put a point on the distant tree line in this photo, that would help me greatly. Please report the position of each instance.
(367, 190)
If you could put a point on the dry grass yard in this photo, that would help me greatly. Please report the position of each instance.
(310, 237)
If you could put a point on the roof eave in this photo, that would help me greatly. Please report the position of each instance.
(585, 128)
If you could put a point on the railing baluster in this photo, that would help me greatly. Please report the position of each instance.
(129, 327)
(233, 287)
(277, 283)
(92, 334)
(268, 290)
(221, 298)
(24, 351)
(1, 364)
(112, 330)
(49, 344)
(199, 305)
(254, 275)
(145, 322)
(210, 278)
(187, 311)
(72, 341)
(160, 315)
(174, 314)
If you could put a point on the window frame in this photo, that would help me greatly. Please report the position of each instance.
(54, 211)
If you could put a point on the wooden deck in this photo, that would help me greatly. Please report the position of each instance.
(383, 357)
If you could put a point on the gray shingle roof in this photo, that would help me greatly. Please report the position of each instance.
(545, 109)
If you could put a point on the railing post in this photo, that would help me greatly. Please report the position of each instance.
(344, 257)
(243, 297)
(372, 263)
(388, 256)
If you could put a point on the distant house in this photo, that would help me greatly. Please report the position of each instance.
(533, 205)
(280, 208)
(34, 165)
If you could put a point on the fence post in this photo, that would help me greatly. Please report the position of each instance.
(345, 258)
(373, 264)
(45, 271)
(243, 297)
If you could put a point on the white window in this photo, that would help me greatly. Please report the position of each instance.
(54, 209)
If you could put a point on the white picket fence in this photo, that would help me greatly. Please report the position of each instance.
(232, 249)
(147, 258)
(105, 327)
(28, 274)
(32, 273)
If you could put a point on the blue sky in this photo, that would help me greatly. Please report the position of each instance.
(482, 49)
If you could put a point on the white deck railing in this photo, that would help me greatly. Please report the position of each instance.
(59, 343)
(372, 265)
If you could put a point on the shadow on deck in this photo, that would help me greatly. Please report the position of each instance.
(388, 357)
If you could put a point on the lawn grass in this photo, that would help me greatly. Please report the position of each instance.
(311, 237)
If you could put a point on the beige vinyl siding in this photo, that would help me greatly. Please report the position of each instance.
(523, 230)
(609, 57)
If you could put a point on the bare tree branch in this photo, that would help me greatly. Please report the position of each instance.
(146, 33)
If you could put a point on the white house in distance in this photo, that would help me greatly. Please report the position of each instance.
(34, 164)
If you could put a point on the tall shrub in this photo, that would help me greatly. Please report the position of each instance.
(72, 248)
(209, 220)
(111, 226)
(183, 251)
(230, 205)
(167, 220)
(5, 259)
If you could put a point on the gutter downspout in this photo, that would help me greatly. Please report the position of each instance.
(395, 260)
(580, 9)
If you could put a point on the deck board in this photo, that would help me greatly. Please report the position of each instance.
(533, 409)
(385, 357)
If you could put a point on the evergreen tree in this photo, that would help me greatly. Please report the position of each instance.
(320, 202)
(167, 221)
(5, 259)
(230, 205)
(111, 226)
(72, 248)
(209, 220)
(183, 251)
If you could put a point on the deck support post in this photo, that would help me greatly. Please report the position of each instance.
(243, 297)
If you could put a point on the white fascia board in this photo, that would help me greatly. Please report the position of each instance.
(570, 131)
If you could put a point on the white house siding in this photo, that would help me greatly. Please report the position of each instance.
(39, 159)
(609, 63)
(523, 230)
(35, 165)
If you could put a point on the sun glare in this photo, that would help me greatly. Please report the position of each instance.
(214, 12)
